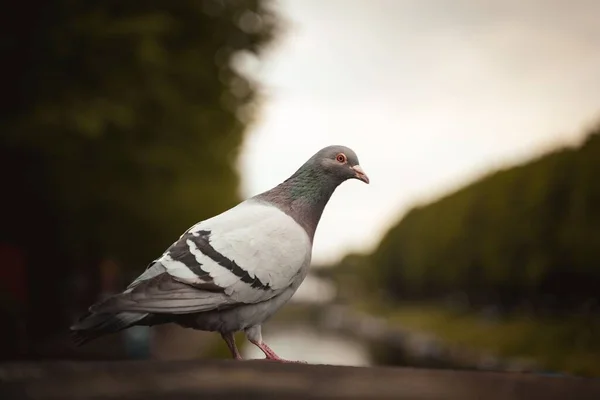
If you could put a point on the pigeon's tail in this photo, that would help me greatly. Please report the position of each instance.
(93, 325)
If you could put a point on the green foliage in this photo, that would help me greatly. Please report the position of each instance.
(121, 123)
(528, 235)
(137, 111)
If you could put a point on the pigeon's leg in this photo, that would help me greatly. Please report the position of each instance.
(254, 335)
(230, 340)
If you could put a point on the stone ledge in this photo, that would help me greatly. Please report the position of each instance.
(224, 380)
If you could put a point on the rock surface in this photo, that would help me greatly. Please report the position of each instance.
(223, 380)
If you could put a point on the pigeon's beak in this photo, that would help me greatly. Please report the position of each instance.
(360, 174)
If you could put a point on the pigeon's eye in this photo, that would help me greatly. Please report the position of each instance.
(341, 158)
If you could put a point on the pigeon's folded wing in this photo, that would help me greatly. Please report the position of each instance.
(246, 255)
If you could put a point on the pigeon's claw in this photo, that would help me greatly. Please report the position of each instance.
(270, 355)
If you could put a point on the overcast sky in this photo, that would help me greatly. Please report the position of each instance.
(430, 95)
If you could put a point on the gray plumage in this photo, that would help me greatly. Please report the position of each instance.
(235, 270)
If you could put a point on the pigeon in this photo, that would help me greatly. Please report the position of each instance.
(233, 271)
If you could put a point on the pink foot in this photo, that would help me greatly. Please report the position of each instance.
(272, 356)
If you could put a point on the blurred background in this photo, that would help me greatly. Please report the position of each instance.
(477, 245)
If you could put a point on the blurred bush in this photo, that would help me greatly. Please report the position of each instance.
(526, 237)
(121, 123)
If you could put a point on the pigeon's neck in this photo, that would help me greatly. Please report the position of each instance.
(303, 196)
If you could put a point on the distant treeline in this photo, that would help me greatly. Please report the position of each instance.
(527, 236)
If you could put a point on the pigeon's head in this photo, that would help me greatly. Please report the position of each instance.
(340, 163)
(304, 195)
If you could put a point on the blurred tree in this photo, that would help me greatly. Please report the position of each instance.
(121, 123)
(526, 235)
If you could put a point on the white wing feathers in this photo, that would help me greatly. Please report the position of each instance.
(248, 254)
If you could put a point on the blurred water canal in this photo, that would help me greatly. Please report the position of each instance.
(314, 329)
(299, 339)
